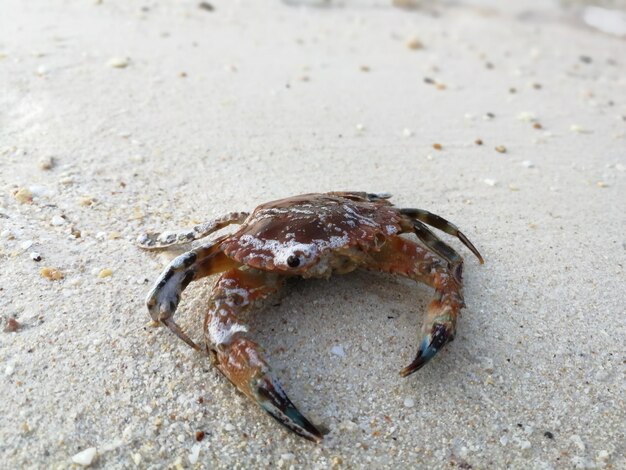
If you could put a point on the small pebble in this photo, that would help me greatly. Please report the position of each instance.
(527, 116)
(407, 132)
(414, 43)
(229, 427)
(194, 454)
(118, 62)
(57, 221)
(489, 116)
(51, 273)
(42, 70)
(86, 201)
(478, 141)
(45, 163)
(576, 128)
(106, 272)
(409, 403)
(85, 457)
(438, 146)
(548, 434)
(12, 325)
(338, 351)
(364, 68)
(408, 4)
(348, 425)
(578, 442)
(528, 164)
(206, 6)
(602, 184)
(501, 149)
(490, 182)
(536, 125)
(9, 369)
(25, 245)
(585, 59)
(35, 256)
(23, 195)
(603, 455)
(199, 435)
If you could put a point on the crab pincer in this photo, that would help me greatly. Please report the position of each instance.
(309, 236)
(240, 359)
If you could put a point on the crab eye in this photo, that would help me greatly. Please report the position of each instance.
(293, 261)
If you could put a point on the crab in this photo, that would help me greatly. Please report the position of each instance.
(308, 236)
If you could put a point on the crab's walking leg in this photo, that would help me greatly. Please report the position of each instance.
(158, 241)
(435, 244)
(440, 223)
(239, 358)
(404, 257)
(164, 297)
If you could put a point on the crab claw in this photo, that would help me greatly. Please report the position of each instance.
(241, 359)
(164, 297)
(272, 398)
(438, 336)
(242, 363)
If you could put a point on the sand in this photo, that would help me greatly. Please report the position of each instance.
(118, 117)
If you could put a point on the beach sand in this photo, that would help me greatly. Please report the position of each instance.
(119, 117)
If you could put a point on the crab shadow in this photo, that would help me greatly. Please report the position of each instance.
(348, 333)
(337, 345)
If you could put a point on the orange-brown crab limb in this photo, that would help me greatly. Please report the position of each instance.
(406, 258)
(239, 358)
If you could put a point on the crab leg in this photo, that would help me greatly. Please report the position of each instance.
(406, 258)
(158, 241)
(442, 224)
(164, 297)
(239, 358)
(435, 244)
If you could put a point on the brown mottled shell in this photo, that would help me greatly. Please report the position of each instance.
(310, 226)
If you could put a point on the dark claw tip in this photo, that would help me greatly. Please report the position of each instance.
(295, 421)
(275, 402)
(429, 346)
(414, 366)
